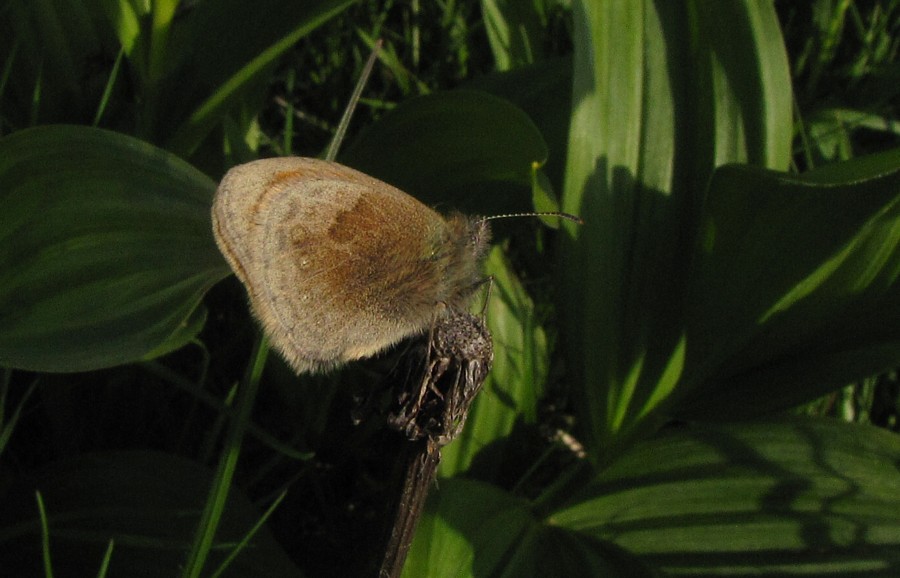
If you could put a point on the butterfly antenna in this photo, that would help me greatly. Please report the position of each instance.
(566, 216)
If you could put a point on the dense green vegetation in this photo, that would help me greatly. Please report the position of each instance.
(701, 380)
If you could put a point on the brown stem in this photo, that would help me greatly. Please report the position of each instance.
(421, 459)
(430, 410)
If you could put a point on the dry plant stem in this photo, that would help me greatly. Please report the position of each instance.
(420, 460)
(430, 412)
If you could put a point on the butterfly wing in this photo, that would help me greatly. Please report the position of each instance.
(338, 265)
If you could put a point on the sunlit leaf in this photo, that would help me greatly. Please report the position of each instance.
(811, 497)
(514, 385)
(514, 30)
(662, 95)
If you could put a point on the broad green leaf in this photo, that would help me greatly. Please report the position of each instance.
(861, 168)
(787, 383)
(663, 93)
(515, 383)
(544, 92)
(465, 515)
(106, 248)
(795, 287)
(445, 144)
(805, 497)
(475, 529)
(147, 502)
(550, 551)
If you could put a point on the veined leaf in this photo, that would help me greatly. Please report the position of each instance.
(811, 497)
(807, 497)
(661, 97)
(795, 288)
(106, 248)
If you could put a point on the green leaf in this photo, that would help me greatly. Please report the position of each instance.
(742, 77)
(663, 93)
(185, 333)
(462, 517)
(106, 247)
(474, 529)
(795, 288)
(804, 497)
(514, 30)
(125, 22)
(515, 383)
(162, 14)
(543, 197)
(447, 143)
(147, 502)
(544, 92)
(223, 48)
(56, 46)
(800, 497)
